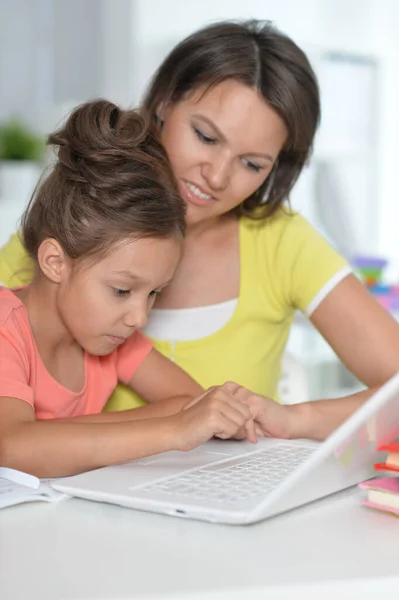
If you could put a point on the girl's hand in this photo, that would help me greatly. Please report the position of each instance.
(218, 413)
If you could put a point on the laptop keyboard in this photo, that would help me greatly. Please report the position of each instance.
(237, 480)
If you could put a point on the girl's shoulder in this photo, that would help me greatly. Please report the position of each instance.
(16, 337)
(10, 306)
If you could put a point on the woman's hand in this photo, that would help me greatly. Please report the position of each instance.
(217, 412)
(271, 419)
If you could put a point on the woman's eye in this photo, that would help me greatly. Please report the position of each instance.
(204, 138)
(120, 293)
(253, 166)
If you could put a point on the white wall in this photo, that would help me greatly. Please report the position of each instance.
(77, 50)
(50, 57)
(385, 41)
(18, 58)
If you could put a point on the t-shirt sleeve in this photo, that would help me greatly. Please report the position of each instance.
(14, 368)
(307, 266)
(131, 354)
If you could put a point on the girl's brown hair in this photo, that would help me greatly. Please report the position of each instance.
(112, 181)
(256, 54)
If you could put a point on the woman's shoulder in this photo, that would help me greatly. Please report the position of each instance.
(284, 222)
(16, 267)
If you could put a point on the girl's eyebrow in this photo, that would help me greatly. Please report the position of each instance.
(134, 277)
(128, 274)
(216, 129)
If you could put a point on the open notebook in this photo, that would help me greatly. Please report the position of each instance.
(17, 487)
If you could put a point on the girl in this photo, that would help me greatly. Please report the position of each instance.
(104, 231)
(237, 107)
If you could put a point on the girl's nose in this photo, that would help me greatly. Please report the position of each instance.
(136, 318)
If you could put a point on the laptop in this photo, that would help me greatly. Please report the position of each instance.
(237, 482)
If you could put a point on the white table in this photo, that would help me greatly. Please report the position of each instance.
(332, 549)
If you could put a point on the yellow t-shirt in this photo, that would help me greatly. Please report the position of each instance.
(284, 264)
(16, 267)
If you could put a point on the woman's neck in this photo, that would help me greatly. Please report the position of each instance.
(209, 226)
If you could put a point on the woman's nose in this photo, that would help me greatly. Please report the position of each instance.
(217, 173)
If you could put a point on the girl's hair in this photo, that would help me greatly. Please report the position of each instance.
(256, 54)
(111, 181)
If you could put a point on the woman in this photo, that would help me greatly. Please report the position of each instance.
(237, 107)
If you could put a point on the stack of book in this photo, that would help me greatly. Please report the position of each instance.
(383, 493)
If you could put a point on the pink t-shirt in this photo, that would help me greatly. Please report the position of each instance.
(24, 376)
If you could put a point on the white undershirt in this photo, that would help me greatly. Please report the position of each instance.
(184, 324)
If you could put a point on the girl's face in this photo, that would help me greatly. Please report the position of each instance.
(222, 144)
(102, 304)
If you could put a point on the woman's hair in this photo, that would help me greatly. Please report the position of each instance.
(111, 181)
(256, 54)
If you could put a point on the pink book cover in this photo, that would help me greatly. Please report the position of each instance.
(384, 484)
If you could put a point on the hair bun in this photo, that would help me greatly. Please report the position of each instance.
(97, 138)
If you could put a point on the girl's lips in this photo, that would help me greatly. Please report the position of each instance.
(114, 339)
(192, 198)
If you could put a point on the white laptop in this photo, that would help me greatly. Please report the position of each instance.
(238, 482)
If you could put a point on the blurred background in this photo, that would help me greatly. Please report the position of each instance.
(55, 54)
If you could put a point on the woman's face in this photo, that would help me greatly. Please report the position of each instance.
(222, 145)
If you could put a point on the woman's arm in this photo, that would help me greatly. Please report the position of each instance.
(361, 332)
(312, 420)
(366, 339)
(364, 336)
(318, 419)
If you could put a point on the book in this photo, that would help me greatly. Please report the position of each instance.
(382, 494)
(17, 487)
(392, 460)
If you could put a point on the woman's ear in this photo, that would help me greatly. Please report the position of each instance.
(160, 114)
(53, 261)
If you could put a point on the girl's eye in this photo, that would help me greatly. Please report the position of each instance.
(155, 293)
(253, 166)
(121, 293)
(204, 138)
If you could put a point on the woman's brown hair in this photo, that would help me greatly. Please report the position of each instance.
(111, 182)
(256, 54)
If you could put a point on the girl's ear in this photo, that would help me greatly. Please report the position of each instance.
(53, 261)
